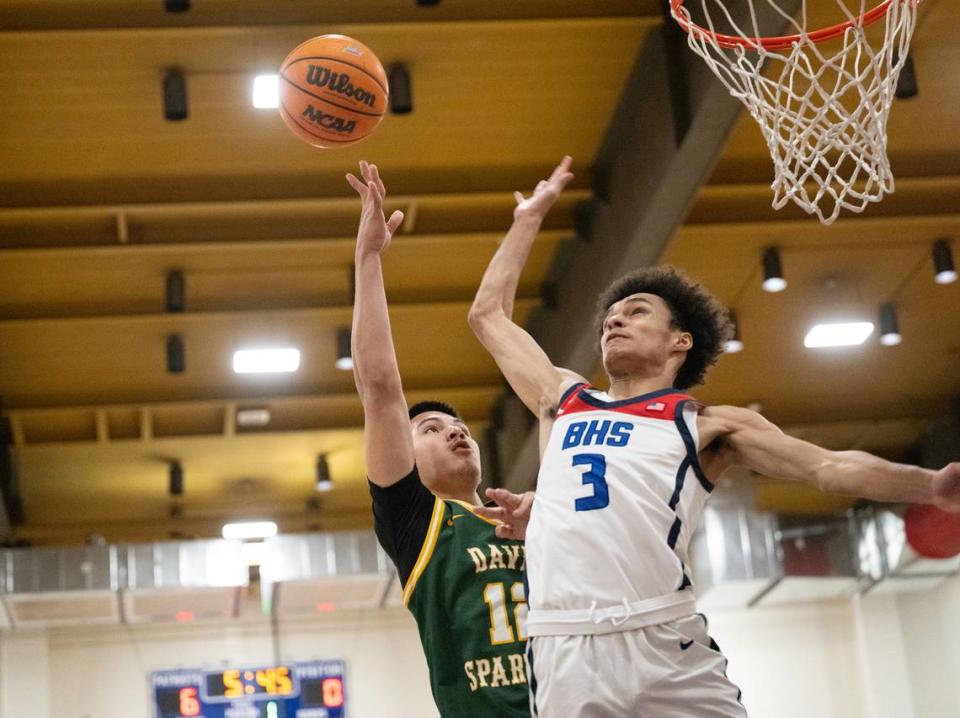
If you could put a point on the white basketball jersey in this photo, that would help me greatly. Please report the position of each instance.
(619, 494)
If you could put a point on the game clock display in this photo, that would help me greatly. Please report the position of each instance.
(312, 689)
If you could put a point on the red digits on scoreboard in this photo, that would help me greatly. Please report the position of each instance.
(332, 692)
(189, 705)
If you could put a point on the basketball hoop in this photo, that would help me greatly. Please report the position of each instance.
(821, 97)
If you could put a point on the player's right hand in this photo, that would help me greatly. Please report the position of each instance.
(374, 233)
(512, 512)
(545, 193)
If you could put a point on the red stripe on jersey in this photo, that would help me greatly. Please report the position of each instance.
(662, 406)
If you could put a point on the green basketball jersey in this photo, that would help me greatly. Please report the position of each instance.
(466, 591)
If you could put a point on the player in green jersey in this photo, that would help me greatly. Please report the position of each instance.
(463, 584)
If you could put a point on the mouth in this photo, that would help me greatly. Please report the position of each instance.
(612, 337)
(461, 446)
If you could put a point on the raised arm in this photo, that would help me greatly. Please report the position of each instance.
(387, 441)
(745, 438)
(521, 360)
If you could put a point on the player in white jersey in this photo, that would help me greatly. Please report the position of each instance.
(624, 477)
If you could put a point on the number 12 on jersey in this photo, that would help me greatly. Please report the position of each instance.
(495, 596)
(595, 477)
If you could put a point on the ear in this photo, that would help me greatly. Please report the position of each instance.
(684, 342)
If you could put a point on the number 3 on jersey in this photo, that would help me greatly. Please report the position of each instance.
(594, 476)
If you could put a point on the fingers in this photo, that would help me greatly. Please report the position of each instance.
(505, 532)
(494, 513)
(507, 499)
(394, 222)
(562, 173)
(359, 186)
(518, 197)
(375, 178)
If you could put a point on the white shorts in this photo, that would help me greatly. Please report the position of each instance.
(671, 670)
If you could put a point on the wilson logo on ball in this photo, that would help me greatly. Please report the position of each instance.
(329, 122)
(338, 82)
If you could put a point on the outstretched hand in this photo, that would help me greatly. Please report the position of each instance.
(374, 233)
(946, 488)
(545, 193)
(512, 511)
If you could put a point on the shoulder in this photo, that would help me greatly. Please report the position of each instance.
(717, 422)
(569, 380)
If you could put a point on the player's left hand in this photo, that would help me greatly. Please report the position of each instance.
(545, 193)
(512, 511)
(375, 232)
(946, 488)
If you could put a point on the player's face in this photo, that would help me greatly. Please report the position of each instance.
(447, 456)
(638, 333)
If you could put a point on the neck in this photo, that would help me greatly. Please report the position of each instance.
(625, 387)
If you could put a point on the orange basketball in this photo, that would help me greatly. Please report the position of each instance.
(333, 91)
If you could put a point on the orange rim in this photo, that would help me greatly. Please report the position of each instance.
(784, 41)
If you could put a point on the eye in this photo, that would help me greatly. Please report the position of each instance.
(432, 427)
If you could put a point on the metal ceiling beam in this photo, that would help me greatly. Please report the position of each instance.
(187, 318)
(203, 524)
(645, 179)
(304, 412)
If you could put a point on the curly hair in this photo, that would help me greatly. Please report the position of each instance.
(692, 309)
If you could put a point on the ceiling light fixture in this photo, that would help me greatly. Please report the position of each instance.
(773, 280)
(907, 86)
(323, 481)
(273, 360)
(266, 92)
(174, 95)
(176, 354)
(838, 334)
(175, 477)
(175, 297)
(889, 327)
(401, 91)
(945, 272)
(253, 416)
(734, 344)
(344, 359)
(249, 530)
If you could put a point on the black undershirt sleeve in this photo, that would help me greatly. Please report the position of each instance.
(401, 519)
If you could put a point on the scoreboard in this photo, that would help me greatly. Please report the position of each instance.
(313, 689)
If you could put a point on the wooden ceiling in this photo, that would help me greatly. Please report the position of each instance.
(100, 198)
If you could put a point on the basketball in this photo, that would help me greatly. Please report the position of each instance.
(333, 91)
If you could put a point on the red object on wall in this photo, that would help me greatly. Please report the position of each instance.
(932, 532)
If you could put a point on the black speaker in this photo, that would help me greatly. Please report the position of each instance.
(176, 478)
(176, 354)
(176, 291)
(9, 490)
(176, 5)
(428, 3)
(907, 82)
(401, 91)
(174, 95)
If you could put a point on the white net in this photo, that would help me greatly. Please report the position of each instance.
(822, 104)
